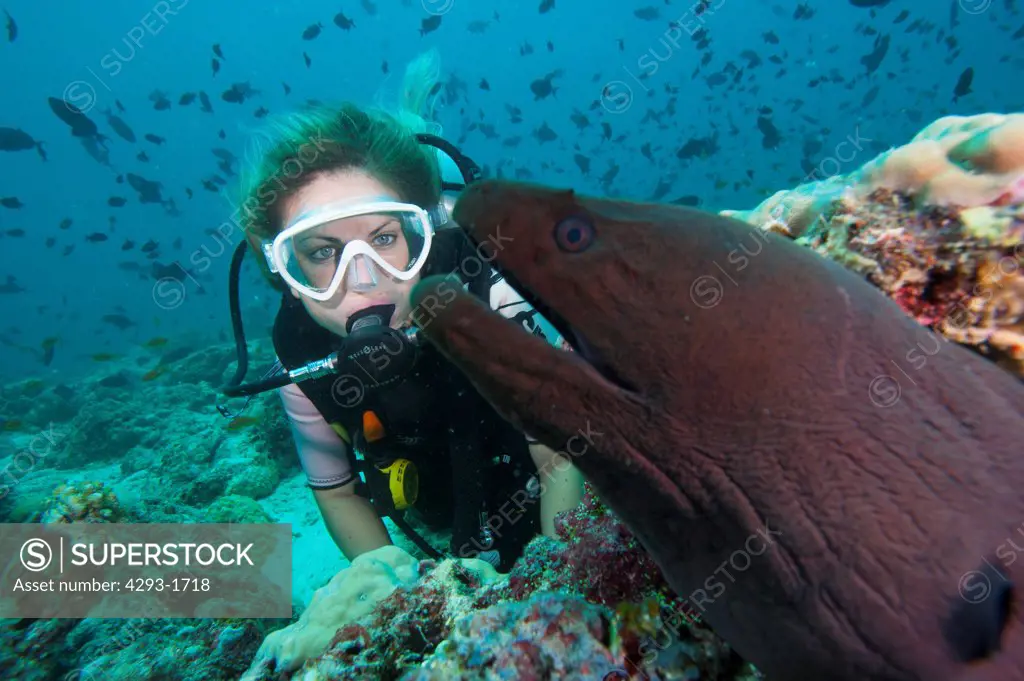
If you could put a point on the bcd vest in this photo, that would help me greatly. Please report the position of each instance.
(469, 460)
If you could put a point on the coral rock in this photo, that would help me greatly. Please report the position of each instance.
(937, 225)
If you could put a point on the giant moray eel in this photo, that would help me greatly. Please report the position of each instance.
(833, 485)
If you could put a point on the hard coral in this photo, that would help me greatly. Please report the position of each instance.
(598, 558)
(551, 636)
(956, 161)
(937, 225)
(83, 502)
(407, 625)
(644, 631)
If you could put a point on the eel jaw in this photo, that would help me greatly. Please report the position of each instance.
(576, 339)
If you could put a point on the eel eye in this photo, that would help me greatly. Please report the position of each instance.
(574, 234)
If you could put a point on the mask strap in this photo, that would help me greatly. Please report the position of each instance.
(470, 170)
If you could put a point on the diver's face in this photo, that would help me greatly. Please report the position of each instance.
(319, 251)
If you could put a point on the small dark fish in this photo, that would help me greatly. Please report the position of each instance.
(186, 99)
(545, 134)
(869, 96)
(116, 201)
(118, 320)
(214, 66)
(543, 88)
(49, 345)
(217, 51)
(51, 242)
(65, 223)
(188, 192)
(384, 66)
(120, 127)
(901, 17)
(430, 24)
(11, 285)
(68, 250)
(17, 232)
(80, 124)
(149, 246)
(370, 8)
(963, 84)
(343, 22)
(12, 202)
(803, 12)
(869, 3)
(12, 28)
(104, 357)
(312, 31)
(148, 190)
(546, 6)
(204, 102)
(11, 425)
(238, 93)
(305, 58)
(478, 26)
(160, 101)
(155, 139)
(260, 112)
(484, 85)
(770, 137)
(141, 156)
(16, 139)
(770, 38)
(287, 88)
(647, 13)
(153, 374)
(97, 150)
(128, 245)
(874, 59)
(223, 154)
(96, 237)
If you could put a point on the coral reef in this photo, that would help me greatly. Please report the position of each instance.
(87, 502)
(612, 618)
(356, 592)
(937, 225)
(235, 508)
(964, 161)
(595, 557)
(551, 636)
(129, 650)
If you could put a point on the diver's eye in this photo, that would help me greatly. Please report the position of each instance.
(322, 254)
(384, 240)
(574, 234)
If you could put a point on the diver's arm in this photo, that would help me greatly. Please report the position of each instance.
(351, 520)
(561, 485)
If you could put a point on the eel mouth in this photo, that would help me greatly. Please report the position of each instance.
(587, 351)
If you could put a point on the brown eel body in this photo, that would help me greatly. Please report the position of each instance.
(837, 489)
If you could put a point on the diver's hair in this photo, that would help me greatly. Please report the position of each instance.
(321, 139)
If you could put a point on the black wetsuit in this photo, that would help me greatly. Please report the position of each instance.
(474, 468)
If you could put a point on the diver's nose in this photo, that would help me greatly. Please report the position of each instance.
(362, 274)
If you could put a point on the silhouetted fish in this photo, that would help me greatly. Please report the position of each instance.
(16, 139)
(963, 84)
(120, 127)
(80, 124)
